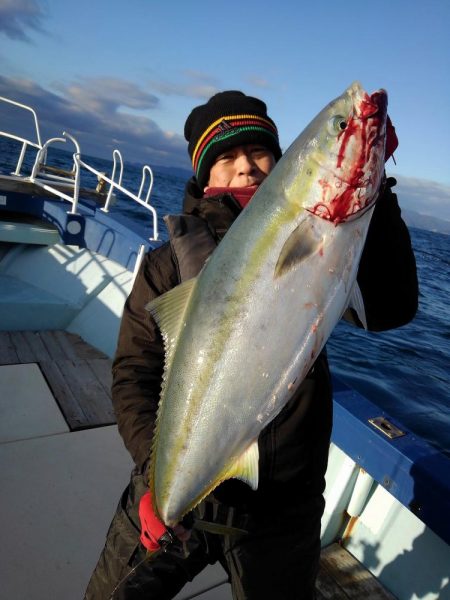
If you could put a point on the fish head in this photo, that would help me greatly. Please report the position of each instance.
(343, 161)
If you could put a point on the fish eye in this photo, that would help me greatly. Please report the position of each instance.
(337, 124)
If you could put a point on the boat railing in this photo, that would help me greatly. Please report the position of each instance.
(65, 184)
(118, 186)
(25, 141)
(42, 169)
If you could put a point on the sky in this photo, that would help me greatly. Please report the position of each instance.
(127, 74)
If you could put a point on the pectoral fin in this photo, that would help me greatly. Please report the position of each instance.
(356, 303)
(246, 467)
(302, 243)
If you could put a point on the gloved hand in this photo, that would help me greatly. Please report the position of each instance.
(152, 529)
(391, 140)
(154, 533)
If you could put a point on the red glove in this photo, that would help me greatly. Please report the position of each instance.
(153, 531)
(391, 140)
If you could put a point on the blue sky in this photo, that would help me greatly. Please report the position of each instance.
(127, 74)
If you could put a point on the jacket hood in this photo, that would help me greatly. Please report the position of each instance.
(193, 196)
(219, 211)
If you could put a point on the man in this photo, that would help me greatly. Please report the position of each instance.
(234, 145)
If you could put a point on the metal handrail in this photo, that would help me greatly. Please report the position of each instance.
(25, 142)
(41, 157)
(74, 180)
(36, 123)
(114, 185)
(146, 169)
(117, 156)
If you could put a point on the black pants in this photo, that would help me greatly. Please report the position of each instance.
(277, 559)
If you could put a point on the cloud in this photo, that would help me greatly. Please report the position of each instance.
(95, 112)
(196, 85)
(188, 90)
(105, 95)
(258, 82)
(424, 196)
(18, 16)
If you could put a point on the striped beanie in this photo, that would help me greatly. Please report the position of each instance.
(228, 119)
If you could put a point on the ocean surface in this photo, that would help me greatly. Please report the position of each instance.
(405, 371)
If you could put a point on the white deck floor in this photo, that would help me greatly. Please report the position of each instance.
(59, 491)
(27, 407)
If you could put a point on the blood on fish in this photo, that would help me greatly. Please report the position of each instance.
(365, 134)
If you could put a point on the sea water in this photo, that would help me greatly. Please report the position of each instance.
(405, 371)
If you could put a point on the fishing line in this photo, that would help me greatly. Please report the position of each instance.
(132, 571)
(199, 524)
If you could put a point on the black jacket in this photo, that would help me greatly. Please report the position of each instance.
(294, 447)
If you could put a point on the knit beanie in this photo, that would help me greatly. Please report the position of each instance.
(228, 119)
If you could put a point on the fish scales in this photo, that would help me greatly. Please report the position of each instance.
(249, 328)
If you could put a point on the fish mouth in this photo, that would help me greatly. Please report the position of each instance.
(379, 98)
(366, 105)
(372, 107)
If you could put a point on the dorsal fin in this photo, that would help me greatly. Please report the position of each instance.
(168, 311)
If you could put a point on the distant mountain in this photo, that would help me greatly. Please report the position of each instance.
(415, 219)
(425, 204)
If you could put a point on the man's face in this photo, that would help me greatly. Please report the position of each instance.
(242, 166)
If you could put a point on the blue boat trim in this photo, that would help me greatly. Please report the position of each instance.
(414, 472)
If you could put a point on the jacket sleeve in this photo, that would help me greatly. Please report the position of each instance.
(139, 360)
(387, 273)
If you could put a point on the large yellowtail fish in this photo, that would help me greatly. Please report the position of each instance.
(241, 337)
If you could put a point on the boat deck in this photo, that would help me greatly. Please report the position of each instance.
(78, 375)
(92, 467)
(342, 577)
